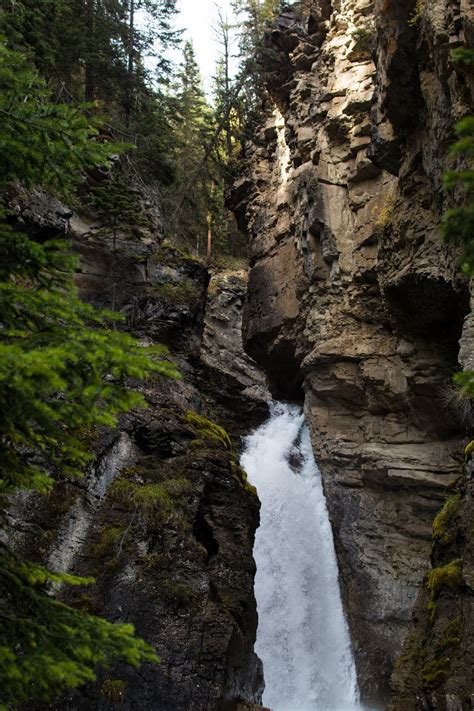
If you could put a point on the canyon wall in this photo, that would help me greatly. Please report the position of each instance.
(354, 303)
(164, 518)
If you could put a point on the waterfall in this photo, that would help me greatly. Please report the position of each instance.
(302, 638)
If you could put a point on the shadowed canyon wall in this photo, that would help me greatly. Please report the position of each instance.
(164, 518)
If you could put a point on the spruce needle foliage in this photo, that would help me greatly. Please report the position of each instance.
(62, 370)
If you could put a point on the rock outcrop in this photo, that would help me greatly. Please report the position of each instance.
(229, 379)
(165, 523)
(436, 669)
(164, 518)
(354, 304)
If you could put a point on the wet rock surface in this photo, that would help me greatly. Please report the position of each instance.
(352, 296)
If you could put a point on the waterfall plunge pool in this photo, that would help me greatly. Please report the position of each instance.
(302, 637)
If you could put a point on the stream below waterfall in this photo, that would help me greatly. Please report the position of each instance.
(302, 637)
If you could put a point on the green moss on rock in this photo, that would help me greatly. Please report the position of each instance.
(240, 474)
(151, 500)
(108, 537)
(175, 593)
(435, 672)
(469, 450)
(441, 533)
(450, 637)
(183, 292)
(448, 576)
(208, 431)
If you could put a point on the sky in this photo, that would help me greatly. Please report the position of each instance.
(198, 17)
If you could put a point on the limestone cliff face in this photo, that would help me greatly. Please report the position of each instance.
(353, 300)
(164, 518)
(228, 378)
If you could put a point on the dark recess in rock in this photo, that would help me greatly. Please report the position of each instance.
(282, 368)
(203, 534)
(429, 307)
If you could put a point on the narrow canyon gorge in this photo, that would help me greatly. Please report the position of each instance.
(353, 315)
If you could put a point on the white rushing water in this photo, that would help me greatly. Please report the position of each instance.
(302, 638)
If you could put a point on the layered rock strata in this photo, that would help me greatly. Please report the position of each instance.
(354, 304)
(436, 669)
(164, 518)
(229, 380)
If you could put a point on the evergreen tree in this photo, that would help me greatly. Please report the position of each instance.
(193, 126)
(117, 205)
(458, 223)
(76, 45)
(256, 58)
(94, 50)
(255, 17)
(53, 363)
(222, 79)
(203, 134)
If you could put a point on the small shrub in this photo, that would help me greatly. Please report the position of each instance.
(454, 399)
(113, 690)
(385, 210)
(363, 37)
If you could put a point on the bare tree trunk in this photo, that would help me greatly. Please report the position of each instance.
(114, 266)
(228, 130)
(89, 80)
(222, 32)
(131, 38)
(209, 238)
(129, 100)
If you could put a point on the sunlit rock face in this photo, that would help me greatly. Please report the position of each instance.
(353, 300)
(227, 375)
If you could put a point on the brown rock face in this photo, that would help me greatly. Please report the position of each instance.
(436, 669)
(228, 378)
(352, 297)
